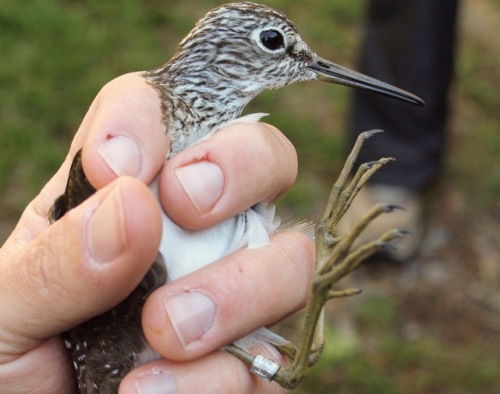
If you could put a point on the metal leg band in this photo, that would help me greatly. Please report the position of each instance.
(264, 368)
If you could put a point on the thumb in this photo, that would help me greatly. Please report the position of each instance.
(82, 265)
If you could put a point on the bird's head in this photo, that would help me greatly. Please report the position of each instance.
(253, 48)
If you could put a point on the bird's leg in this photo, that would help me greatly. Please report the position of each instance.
(340, 262)
(335, 258)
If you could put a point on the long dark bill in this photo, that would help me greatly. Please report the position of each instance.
(330, 72)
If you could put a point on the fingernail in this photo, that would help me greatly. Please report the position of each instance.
(191, 314)
(123, 156)
(155, 382)
(203, 183)
(106, 237)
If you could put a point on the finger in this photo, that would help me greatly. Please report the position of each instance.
(222, 302)
(216, 373)
(125, 134)
(80, 266)
(239, 166)
(44, 369)
(34, 219)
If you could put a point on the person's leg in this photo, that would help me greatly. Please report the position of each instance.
(409, 44)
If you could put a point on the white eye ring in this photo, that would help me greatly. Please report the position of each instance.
(276, 44)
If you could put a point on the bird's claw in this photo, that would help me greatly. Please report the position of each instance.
(335, 258)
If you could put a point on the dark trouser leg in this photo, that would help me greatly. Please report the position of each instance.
(410, 44)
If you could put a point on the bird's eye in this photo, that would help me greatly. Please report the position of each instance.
(272, 39)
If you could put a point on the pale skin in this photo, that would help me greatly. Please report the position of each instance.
(52, 278)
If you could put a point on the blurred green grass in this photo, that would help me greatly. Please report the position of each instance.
(57, 54)
(384, 357)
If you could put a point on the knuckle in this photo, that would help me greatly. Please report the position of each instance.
(42, 268)
(51, 265)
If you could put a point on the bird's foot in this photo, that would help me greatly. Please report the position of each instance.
(335, 258)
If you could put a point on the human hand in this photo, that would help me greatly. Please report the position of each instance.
(53, 278)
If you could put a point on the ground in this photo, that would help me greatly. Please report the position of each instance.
(428, 325)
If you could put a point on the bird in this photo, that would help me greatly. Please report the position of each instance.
(232, 54)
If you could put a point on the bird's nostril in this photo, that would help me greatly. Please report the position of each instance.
(324, 65)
